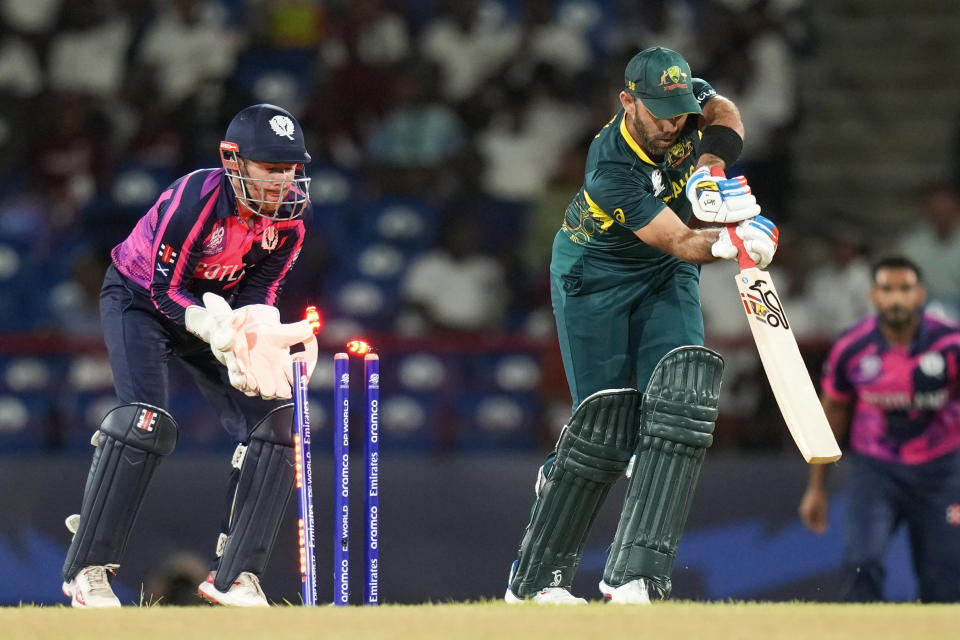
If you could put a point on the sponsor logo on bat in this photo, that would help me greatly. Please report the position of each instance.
(764, 305)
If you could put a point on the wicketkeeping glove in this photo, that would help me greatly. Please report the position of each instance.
(716, 198)
(760, 237)
(269, 342)
(218, 325)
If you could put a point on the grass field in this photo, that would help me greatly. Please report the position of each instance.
(669, 621)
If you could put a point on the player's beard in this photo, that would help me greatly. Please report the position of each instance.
(898, 318)
(652, 144)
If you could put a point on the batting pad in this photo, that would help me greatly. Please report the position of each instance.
(677, 420)
(592, 452)
(131, 442)
(264, 487)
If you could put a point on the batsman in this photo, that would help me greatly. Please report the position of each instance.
(625, 289)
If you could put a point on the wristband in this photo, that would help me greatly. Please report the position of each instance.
(723, 142)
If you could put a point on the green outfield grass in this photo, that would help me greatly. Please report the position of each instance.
(668, 621)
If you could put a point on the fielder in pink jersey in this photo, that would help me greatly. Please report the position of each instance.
(196, 281)
(892, 385)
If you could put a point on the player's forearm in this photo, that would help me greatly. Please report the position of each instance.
(695, 247)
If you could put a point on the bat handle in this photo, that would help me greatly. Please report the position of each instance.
(743, 258)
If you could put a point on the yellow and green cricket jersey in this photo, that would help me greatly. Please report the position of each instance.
(620, 304)
(624, 188)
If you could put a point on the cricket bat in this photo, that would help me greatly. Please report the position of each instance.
(782, 361)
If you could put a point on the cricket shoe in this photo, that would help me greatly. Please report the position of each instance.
(550, 595)
(90, 589)
(244, 592)
(634, 592)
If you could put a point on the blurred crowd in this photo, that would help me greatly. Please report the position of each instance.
(448, 137)
(480, 113)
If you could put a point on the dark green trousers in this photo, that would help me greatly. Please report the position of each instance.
(616, 319)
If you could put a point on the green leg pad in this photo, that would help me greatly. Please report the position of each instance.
(677, 420)
(592, 453)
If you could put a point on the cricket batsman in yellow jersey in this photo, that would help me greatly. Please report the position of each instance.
(625, 290)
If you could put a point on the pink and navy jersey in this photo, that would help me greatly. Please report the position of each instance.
(906, 405)
(192, 241)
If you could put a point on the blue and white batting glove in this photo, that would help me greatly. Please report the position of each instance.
(760, 237)
(716, 198)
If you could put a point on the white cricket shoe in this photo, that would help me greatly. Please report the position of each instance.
(550, 595)
(634, 592)
(91, 589)
(244, 592)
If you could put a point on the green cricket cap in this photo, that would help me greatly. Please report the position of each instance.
(661, 78)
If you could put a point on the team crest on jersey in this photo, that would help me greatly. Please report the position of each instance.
(673, 75)
(214, 242)
(869, 368)
(657, 179)
(679, 152)
(932, 364)
(269, 239)
(282, 126)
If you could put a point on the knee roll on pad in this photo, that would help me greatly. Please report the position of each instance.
(680, 407)
(592, 452)
(132, 440)
(263, 490)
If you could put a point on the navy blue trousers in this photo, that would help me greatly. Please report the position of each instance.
(141, 344)
(925, 498)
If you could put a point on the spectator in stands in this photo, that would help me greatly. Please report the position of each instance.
(546, 39)
(71, 162)
(188, 46)
(648, 23)
(21, 79)
(755, 67)
(75, 303)
(839, 289)
(88, 52)
(453, 287)
(418, 138)
(363, 43)
(470, 41)
(935, 246)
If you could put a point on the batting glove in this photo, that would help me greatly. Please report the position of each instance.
(716, 198)
(760, 237)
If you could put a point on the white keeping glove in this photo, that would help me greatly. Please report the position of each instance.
(218, 325)
(716, 198)
(269, 342)
(759, 236)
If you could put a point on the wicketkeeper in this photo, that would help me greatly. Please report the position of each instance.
(196, 280)
(625, 290)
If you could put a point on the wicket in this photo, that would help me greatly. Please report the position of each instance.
(304, 479)
(341, 458)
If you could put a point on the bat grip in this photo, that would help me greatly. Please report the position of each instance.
(743, 258)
